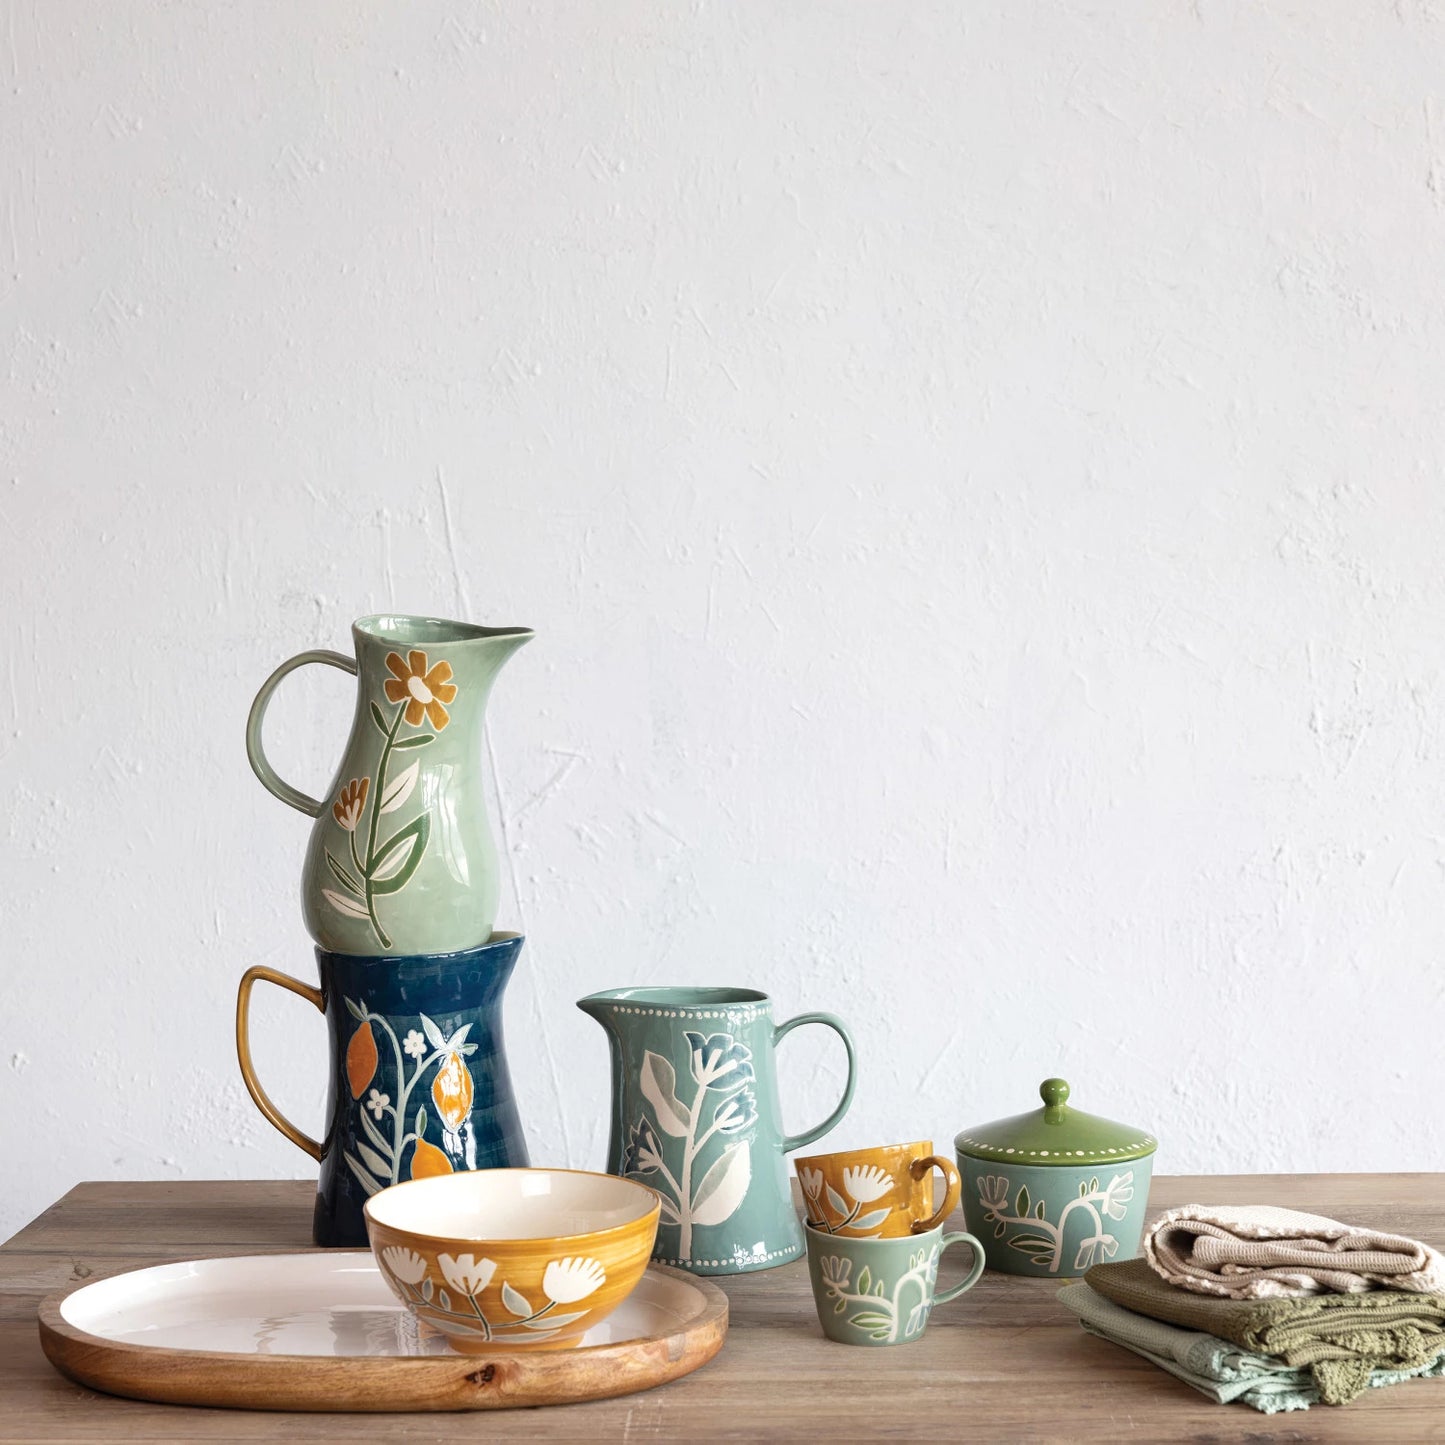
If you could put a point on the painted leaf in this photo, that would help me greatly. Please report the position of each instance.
(419, 741)
(1039, 1210)
(420, 1123)
(1000, 1230)
(669, 1214)
(515, 1300)
(460, 1037)
(840, 1205)
(444, 1299)
(362, 1177)
(373, 1160)
(434, 1035)
(380, 721)
(355, 1009)
(459, 1327)
(1021, 1201)
(427, 1289)
(342, 876)
(342, 904)
(865, 1280)
(871, 1220)
(398, 790)
(386, 878)
(871, 1320)
(659, 1088)
(1032, 1244)
(375, 1135)
(552, 1322)
(724, 1185)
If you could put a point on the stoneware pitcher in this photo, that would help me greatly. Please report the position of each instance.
(418, 1081)
(401, 858)
(695, 1114)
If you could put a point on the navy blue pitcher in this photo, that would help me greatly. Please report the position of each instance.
(419, 1081)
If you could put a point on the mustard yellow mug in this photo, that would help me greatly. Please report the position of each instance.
(879, 1193)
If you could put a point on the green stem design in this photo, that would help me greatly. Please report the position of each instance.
(404, 1086)
(376, 820)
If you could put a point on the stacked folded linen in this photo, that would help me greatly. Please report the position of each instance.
(1260, 1251)
(1217, 1368)
(1339, 1338)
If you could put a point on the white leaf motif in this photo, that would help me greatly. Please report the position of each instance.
(342, 904)
(659, 1088)
(515, 1300)
(393, 863)
(398, 790)
(723, 1186)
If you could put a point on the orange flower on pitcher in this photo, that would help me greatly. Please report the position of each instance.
(451, 1092)
(349, 803)
(423, 692)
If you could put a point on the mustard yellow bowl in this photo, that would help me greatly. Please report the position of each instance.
(513, 1258)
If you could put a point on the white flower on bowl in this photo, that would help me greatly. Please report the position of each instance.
(565, 1281)
(406, 1264)
(867, 1183)
(467, 1273)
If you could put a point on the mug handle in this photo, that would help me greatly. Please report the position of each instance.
(243, 1049)
(972, 1278)
(796, 1141)
(294, 796)
(952, 1191)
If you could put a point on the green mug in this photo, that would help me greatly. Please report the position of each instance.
(881, 1291)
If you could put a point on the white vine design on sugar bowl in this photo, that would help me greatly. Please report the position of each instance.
(564, 1282)
(1044, 1242)
(880, 1314)
(723, 1068)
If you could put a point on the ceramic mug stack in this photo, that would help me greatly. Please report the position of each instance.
(875, 1239)
(399, 891)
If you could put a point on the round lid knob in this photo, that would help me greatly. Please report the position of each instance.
(1054, 1093)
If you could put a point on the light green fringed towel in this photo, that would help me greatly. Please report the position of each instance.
(1222, 1371)
(1339, 1338)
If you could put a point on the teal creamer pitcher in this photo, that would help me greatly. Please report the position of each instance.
(401, 859)
(695, 1115)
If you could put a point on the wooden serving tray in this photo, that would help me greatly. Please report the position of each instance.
(319, 1330)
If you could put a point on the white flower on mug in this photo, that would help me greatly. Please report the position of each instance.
(565, 1281)
(406, 1264)
(376, 1101)
(812, 1182)
(414, 1044)
(867, 1183)
(467, 1273)
(1117, 1196)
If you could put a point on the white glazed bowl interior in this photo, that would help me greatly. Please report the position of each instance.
(511, 1204)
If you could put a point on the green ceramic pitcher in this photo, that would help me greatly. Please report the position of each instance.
(695, 1114)
(401, 859)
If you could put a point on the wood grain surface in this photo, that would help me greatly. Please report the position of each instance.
(1004, 1363)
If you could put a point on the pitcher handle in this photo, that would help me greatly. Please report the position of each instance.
(263, 769)
(243, 1049)
(832, 1021)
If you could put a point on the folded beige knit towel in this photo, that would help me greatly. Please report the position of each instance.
(1259, 1251)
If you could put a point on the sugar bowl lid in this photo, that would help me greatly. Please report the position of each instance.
(1055, 1134)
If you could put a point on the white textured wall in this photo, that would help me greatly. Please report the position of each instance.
(974, 472)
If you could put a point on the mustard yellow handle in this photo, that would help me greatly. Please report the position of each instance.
(952, 1193)
(243, 1049)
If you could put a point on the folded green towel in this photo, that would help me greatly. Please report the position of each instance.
(1216, 1368)
(1340, 1338)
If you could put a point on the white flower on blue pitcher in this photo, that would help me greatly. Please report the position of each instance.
(414, 1044)
(376, 1101)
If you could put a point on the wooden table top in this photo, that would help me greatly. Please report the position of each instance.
(1004, 1363)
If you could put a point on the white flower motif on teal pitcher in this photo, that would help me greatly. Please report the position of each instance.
(718, 1065)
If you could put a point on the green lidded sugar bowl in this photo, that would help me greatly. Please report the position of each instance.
(1055, 1191)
